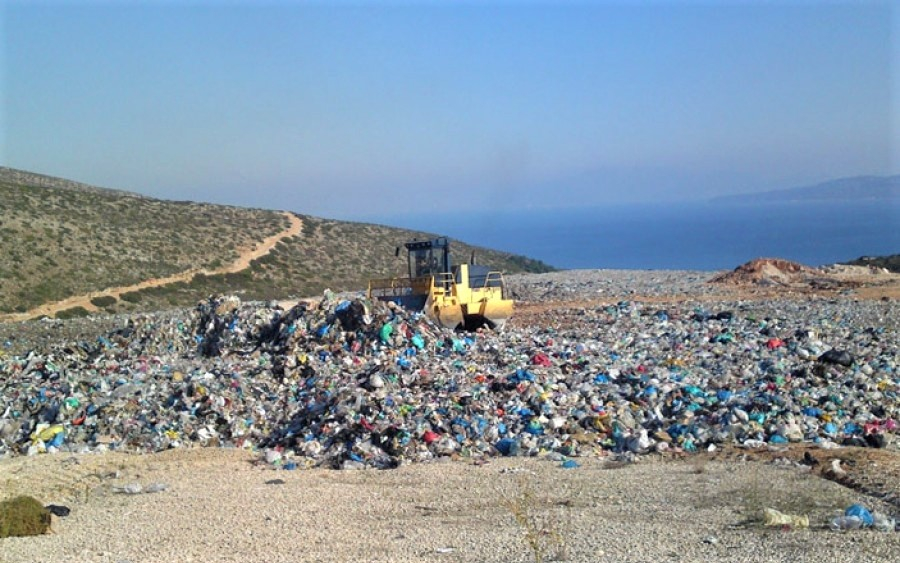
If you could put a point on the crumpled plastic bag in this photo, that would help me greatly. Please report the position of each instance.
(883, 522)
(137, 488)
(776, 518)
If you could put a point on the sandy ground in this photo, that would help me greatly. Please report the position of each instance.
(221, 505)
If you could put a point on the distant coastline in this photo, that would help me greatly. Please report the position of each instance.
(855, 189)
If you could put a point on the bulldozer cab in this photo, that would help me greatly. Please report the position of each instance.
(428, 257)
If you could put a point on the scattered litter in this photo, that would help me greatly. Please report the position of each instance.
(835, 472)
(137, 488)
(846, 523)
(58, 510)
(515, 470)
(129, 489)
(861, 512)
(858, 516)
(883, 522)
(837, 357)
(776, 518)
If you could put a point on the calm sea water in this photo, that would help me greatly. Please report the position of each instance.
(701, 236)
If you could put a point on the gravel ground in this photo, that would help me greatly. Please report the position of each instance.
(219, 507)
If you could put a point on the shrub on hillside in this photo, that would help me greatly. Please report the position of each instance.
(72, 313)
(103, 301)
(131, 296)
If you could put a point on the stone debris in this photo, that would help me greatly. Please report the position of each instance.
(348, 383)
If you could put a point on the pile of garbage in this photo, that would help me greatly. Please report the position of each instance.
(351, 383)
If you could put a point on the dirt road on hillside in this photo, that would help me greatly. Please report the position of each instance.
(241, 263)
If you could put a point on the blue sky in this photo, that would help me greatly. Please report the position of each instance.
(357, 110)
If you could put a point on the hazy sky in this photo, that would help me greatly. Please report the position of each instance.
(357, 109)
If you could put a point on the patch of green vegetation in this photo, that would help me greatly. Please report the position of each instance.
(103, 301)
(23, 516)
(72, 313)
(131, 297)
(530, 264)
(540, 532)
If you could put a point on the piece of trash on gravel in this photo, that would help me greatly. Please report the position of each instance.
(137, 488)
(58, 510)
(776, 518)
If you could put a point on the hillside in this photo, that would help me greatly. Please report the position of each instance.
(857, 188)
(25, 178)
(60, 239)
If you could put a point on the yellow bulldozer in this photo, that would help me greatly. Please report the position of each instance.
(461, 297)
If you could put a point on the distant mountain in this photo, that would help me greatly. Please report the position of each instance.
(857, 188)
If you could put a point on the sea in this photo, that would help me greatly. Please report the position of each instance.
(685, 236)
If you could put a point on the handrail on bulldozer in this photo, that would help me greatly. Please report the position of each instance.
(396, 286)
(390, 286)
(496, 278)
(444, 280)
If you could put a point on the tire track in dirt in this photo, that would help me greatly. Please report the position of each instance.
(241, 263)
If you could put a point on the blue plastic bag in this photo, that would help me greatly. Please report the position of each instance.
(862, 513)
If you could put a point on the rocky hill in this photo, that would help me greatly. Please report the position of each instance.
(60, 239)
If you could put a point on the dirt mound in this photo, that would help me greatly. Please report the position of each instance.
(776, 272)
